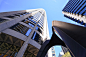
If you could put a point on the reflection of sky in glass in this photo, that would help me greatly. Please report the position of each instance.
(28, 32)
(31, 20)
(36, 28)
(83, 3)
(78, 7)
(34, 35)
(31, 24)
(58, 35)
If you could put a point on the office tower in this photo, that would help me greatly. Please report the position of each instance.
(61, 54)
(64, 49)
(22, 32)
(76, 11)
(53, 52)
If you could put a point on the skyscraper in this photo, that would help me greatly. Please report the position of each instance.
(53, 52)
(76, 11)
(22, 32)
(61, 53)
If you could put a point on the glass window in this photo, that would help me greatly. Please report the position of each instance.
(10, 16)
(23, 14)
(28, 22)
(53, 54)
(31, 51)
(9, 45)
(31, 20)
(22, 29)
(31, 17)
(31, 24)
(20, 15)
(25, 21)
(17, 14)
(39, 26)
(37, 38)
(28, 32)
(2, 20)
(38, 29)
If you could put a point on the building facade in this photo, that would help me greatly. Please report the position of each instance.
(76, 11)
(22, 32)
(53, 52)
(64, 49)
(61, 53)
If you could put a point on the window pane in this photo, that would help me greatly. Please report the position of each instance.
(11, 46)
(21, 28)
(38, 29)
(37, 38)
(53, 54)
(2, 20)
(28, 32)
(31, 20)
(31, 24)
(31, 51)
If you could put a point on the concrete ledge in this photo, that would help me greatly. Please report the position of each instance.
(8, 24)
(15, 34)
(34, 43)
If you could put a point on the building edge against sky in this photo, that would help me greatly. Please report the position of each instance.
(23, 32)
(76, 11)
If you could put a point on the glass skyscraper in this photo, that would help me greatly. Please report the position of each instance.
(22, 32)
(76, 11)
(53, 52)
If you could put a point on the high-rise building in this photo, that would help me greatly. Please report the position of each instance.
(76, 11)
(64, 49)
(61, 53)
(22, 32)
(53, 52)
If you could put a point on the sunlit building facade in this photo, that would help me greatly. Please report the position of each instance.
(22, 32)
(76, 10)
(53, 52)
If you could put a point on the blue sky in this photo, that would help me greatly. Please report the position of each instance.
(53, 10)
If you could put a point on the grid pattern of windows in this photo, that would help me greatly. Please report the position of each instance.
(28, 22)
(78, 21)
(31, 51)
(24, 25)
(76, 6)
(37, 38)
(31, 19)
(9, 45)
(41, 21)
(22, 29)
(17, 15)
(2, 20)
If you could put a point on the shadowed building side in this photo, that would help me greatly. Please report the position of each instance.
(74, 41)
